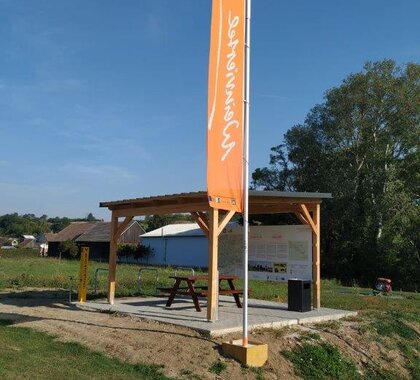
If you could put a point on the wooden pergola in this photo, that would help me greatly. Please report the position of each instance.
(306, 206)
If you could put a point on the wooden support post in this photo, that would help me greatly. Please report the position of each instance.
(202, 221)
(112, 259)
(123, 226)
(315, 223)
(301, 217)
(316, 258)
(116, 231)
(213, 283)
(225, 221)
(307, 216)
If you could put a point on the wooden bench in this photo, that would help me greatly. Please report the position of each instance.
(169, 290)
(196, 291)
(226, 292)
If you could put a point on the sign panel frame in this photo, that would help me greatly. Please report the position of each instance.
(276, 253)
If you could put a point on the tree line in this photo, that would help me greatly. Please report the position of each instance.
(361, 144)
(15, 225)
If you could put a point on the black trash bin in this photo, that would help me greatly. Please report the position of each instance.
(299, 295)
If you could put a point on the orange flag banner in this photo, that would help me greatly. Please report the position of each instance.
(226, 105)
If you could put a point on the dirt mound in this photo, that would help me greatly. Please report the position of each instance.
(182, 352)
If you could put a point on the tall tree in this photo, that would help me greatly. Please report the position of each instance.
(361, 144)
(14, 225)
(57, 223)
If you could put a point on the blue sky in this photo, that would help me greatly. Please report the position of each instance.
(106, 100)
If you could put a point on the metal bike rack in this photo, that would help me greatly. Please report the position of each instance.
(96, 280)
(70, 287)
(184, 268)
(147, 270)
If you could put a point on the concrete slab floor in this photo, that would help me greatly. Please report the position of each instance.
(261, 314)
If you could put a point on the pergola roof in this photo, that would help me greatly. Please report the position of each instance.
(260, 202)
(306, 206)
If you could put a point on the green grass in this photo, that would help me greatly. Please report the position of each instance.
(186, 373)
(395, 325)
(379, 374)
(315, 359)
(382, 317)
(309, 336)
(24, 268)
(258, 373)
(218, 367)
(335, 296)
(42, 357)
(329, 325)
(390, 325)
(321, 362)
(412, 355)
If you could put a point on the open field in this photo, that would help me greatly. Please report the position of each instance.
(24, 268)
(381, 343)
(41, 356)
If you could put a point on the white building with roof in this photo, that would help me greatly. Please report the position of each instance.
(29, 241)
(178, 245)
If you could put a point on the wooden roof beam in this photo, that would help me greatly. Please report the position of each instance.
(161, 210)
(225, 221)
(301, 217)
(308, 217)
(278, 200)
(122, 227)
(202, 220)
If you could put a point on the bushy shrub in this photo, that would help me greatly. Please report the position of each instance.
(137, 251)
(126, 250)
(68, 249)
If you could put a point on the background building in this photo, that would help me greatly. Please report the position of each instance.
(178, 245)
(96, 236)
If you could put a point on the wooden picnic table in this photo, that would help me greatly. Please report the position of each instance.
(196, 291)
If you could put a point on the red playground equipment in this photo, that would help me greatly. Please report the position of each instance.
(383, 285)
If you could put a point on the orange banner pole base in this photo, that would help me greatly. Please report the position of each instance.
(254, 354)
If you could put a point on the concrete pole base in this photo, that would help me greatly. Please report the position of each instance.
(255, 354)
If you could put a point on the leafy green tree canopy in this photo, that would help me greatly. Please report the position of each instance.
(361, 144)
(68, 249)
(15, 225)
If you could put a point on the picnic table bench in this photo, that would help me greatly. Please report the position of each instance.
(196, 291)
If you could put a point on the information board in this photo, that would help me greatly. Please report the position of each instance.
(275, 253)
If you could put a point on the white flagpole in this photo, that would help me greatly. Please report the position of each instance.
(246, 166)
